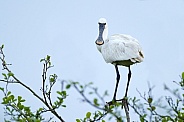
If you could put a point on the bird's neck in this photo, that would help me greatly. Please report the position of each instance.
(105, 34)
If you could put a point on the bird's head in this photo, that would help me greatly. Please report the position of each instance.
(103, 31)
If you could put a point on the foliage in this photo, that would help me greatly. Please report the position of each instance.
(146, 107)
(97, 101)
(172, 109)
(16, 107)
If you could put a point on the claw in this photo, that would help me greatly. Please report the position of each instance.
(125, 103)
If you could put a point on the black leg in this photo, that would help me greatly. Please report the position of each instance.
(129, 76)
(117, 81)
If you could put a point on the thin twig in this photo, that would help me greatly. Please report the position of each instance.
(28, 88)
(107, 110)
(85, 98)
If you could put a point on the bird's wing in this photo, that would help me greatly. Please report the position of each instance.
(134, 51)
(121, 47)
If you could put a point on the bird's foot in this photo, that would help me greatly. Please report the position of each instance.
(111, 102)
(125, 103)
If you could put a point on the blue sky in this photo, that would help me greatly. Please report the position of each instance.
(66, 30)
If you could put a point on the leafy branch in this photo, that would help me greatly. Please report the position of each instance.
(98, 102)
(10, 78)
(146, 107)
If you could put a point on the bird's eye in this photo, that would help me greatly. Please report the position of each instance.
(102, 23)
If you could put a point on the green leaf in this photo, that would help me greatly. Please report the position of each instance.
(103, 120)
(12, 97)
(143, 117)
(19, 98)
(153, 108)
(41, 60)
(63, 93)
(10, 74)
(2, 46)
(8, 99)
(59, 92)
(52, 79)
(22, 100)
(150, 100)
(2, 89)
(74, 82)
(48, 58)
(63, 106)
(26, 108)
(78, 120)
(68, 86)
(5, 77)
(106, 93)
(7, 108)
(40, 109)
(182, 75)
(21, 107)
(9, 92)
(5, 101)
(96, 102)
(88, 114)
(81, 86)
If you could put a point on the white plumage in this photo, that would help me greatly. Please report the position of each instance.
(118, 49)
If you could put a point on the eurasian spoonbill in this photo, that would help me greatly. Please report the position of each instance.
(118, 49)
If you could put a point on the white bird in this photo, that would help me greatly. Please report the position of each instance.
(118, 49)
